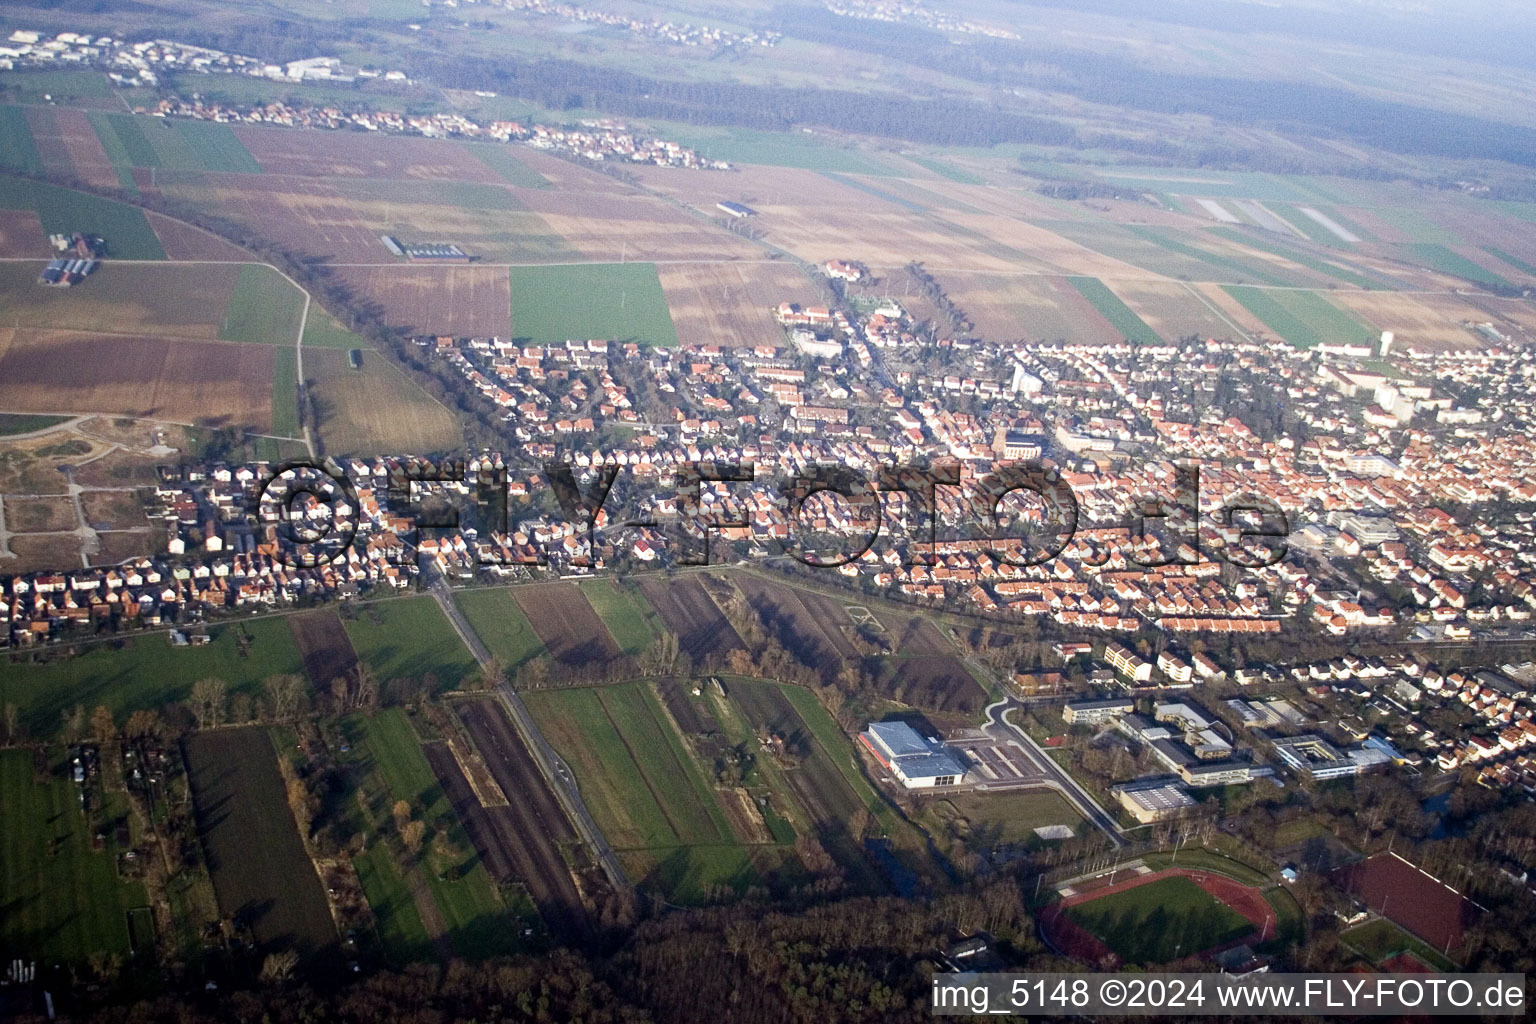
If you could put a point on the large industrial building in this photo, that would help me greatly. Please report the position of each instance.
(917, 761)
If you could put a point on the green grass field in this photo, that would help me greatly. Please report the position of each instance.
(18, 151)
(61, 899)
(1132, 327)
(126, 139)
(1329, 269)
(615, 301)
(409, 638)
(386, 747)
(1305, 319)
(644, 788)
(61, 86)
(623, 611)
(1160, 921)
(61, 210)
(467, 195)
(1380, 940)
(500, 624)
(945, 170)
(215, 147)
(856, 184)
(500, 159)
(1013, 817)
(1217, 266)
(1514, 261)
(774, 149)
(1447, 261)
(18, 423)
(146, 672)
(264, 309)
(321, 330)
(285, 395)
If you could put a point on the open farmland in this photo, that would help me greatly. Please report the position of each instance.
(146, 672)
(644, 788)
(461, 900)
(359, 155)
(182, 241)
(410, 638)
(790, 622)
(1417, 320)
(375, 409)
(19, 150)
(68, 142)
(263, 877)
(524, 840)
(123, 298)
(567, 625)
(63, 901)
(1305, 319)
(625, 613)
(831, 615)
(1120, 316)
(692, 616)
(1027, 306)
(124, 228)
(730, 304)
(21, 234)
(617, 301)
(914, 634)
(459, 301)
(182, 381)
(499, 622)
(323, 643)
(936, 683)
(265, 308)
(1172, 310)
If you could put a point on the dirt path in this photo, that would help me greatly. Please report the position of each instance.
(431, 915)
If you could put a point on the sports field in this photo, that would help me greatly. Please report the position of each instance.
(409, 638)
(614, 301)
(1160, 921)
(61, 899)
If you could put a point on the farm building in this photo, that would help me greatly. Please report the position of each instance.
(433, 252)
(63, 273)
(919, 762)
(392, 245)
(736, 209)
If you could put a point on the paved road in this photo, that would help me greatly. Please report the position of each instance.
(555, 772)
(999, 727)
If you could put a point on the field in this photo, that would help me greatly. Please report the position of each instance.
(615, 301)
(262, 875)
(18, 151)
(301, 153)
(62, 900)
(1159, 921)
(127, 234)
(499, 622)
(1446, 260)
(933, 682)
(459, 301)
(789, 621)
(832, 618)
(264, 308)
(729, 304)
(146, 672)
(1426, 321)
(1009, 818)
(501, 160)
(1305, 319)
(624, 612)
(566, 624)
(692, 616)
(323, 643)
(450, 890)
(643, 787)
(11, 424)
(375, 409)
(194, 382)
(914, 634)
(1423, 905)
(1028, 307)
(1120, 316)
(1172, 310)
(123, 298)
(1388, 946)
(409, 638)
(523, 841)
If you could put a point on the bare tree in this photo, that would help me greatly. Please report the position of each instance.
(283, 695)
(102, 725)
(208, 702)
(12, 724)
